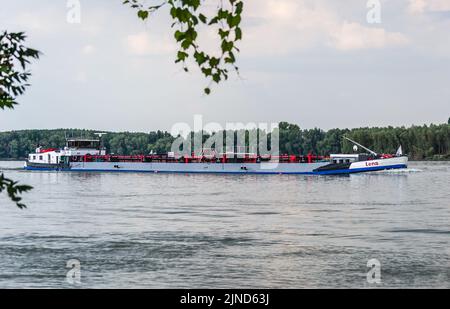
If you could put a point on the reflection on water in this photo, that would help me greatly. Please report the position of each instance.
(193, 231)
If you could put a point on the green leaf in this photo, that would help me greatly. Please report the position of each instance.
(179, 36)
(216, 77)
(142, 14)
(239, 8)
(203, 18)
(200, 58)
(182, 56)
(238, 34)
(186, 44)
(213, 61)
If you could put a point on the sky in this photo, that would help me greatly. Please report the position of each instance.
(316, 63)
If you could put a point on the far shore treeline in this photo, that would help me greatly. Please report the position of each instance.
(427, 142)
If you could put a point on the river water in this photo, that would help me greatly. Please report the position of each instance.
(228, 231)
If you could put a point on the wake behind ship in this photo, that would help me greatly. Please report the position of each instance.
(87, 155)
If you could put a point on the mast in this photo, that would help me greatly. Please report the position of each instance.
(100, 134)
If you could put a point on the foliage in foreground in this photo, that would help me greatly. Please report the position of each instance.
(14, 58)
(14, 190)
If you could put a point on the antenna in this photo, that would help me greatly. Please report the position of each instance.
(371, 151)
(100, 134)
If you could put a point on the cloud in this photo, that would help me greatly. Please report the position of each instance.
(88, 50)
(145, 43)
(81, 77)
(423, 6)
(417, 6)
(37, 20)
(290, 26)
(353, 36)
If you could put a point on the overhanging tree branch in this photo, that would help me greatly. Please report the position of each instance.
(14, 58)
(14, 190)
(187, 19)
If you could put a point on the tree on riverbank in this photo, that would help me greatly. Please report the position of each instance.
(419, 142)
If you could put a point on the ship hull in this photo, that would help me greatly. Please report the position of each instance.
(318, 168)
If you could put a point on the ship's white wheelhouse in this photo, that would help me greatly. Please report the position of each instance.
(45, 157)
(74, 148)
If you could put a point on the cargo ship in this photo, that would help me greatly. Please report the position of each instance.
(87, 155)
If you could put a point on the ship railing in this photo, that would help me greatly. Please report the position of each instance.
(217, 158)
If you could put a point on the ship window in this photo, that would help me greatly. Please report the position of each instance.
(34, 157)
(40, 158)
(347, 161)
(334, 161)
(83, 144)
